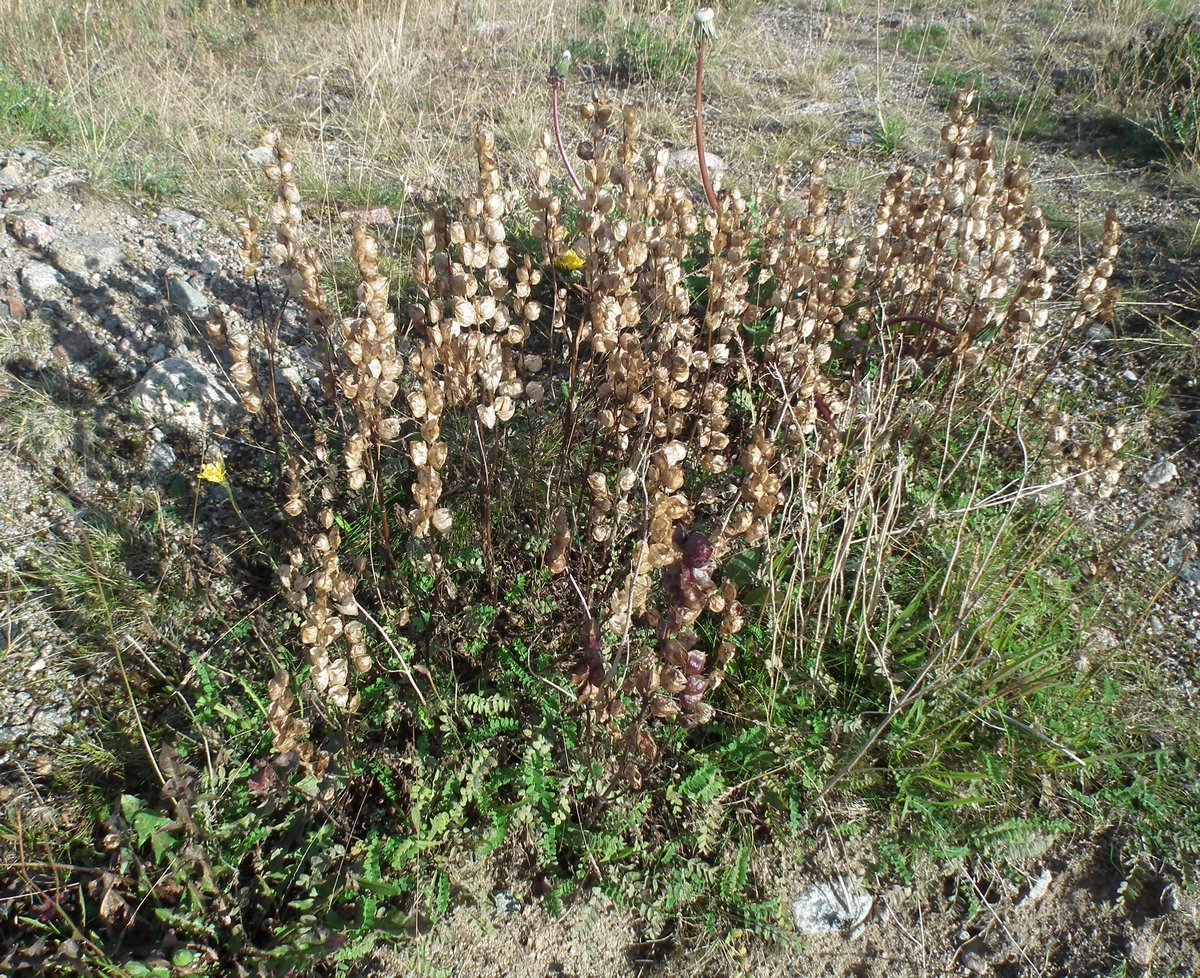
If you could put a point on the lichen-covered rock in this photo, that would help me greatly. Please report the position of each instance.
(185, 397)
(41, 282)
(86, 255)
(33, 233)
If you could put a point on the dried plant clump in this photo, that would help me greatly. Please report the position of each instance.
(653, 372)
(297, 261)
(318, 588)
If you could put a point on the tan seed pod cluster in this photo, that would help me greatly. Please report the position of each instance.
(1089, 462)
(289, 732)
(369, 345)
(241, 370)
(1092, 291)
(560, 542)
(316, 586)
(427, 451)
(293, 505)
(249, 248)
(298, 263)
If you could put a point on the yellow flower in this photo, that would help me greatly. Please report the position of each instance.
(213, 471)
(569, 262)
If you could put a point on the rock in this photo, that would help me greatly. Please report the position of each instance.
(829, 108)
(187, 298)
(14, 302)
(42, 282)
(57, 181)
(74, 345)
(973, 962)
(493, 27)
(259, 156)
(174, 217)
(291, 377)
(859, 140)
(368, 215)
(835, 905)
(210, 264)
(1038, 889)
(11, 176)
(1098, 332)
(1160, 473)
(1129, 375)
(183, 396)
(506, 904)
(33, 233)
(1190, 572)
(161, 458)
(86, 255)
(1141, 951)
(689, 157)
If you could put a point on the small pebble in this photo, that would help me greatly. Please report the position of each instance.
(1160, 473)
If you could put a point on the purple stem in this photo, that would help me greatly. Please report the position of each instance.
(562, 151)
(822, 409)
(704, 177)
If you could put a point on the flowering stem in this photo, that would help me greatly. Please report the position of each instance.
(238, 513)
(562, 152)
(704, 177)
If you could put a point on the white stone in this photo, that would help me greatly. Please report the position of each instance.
(187, 298)
(835, 905)
(87, 255)
(689, 157)
(183, 396)
(41, 281)
(1160, 473)
(1038, 889)
(174, 217)
(259, 156)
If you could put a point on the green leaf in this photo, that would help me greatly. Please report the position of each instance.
(742, 568)
(149, 827)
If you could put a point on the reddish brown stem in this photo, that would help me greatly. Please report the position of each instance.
(562, 151)
(704, 177)
(823, 409)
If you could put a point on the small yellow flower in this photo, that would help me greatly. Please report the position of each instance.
(569, 262)
(213, 472)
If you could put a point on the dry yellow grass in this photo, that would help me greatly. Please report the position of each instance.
(381, 98)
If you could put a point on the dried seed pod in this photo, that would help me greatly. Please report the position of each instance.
(672, 679)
